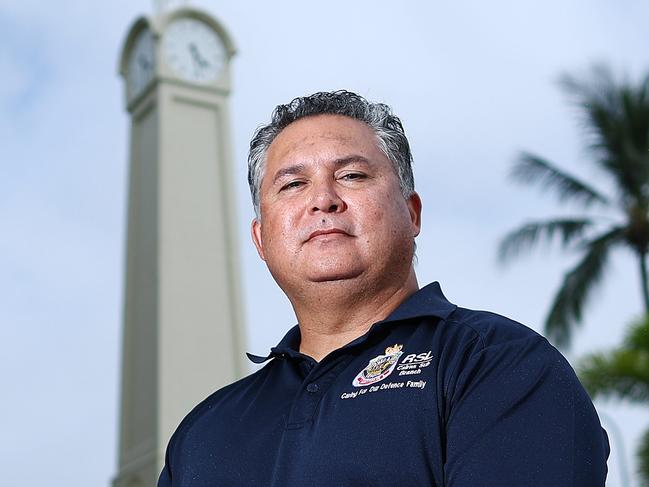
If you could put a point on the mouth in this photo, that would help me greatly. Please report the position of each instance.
(326, 233)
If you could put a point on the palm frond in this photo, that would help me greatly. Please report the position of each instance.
(577, 285)
(529, 234)
(616, 122)
(622, 373)
(643, 460)
(532, 169)
(596, 85)
(637, 336)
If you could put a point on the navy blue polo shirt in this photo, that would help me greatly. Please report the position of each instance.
(433, 395)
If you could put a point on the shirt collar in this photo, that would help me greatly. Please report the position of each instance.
(428, 301)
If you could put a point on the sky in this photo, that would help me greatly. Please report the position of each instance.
(473, 82)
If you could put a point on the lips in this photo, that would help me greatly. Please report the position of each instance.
(328, 231)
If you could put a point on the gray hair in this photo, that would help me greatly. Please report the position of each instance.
(390, 135)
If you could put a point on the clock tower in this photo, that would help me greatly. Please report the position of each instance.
(183, 322)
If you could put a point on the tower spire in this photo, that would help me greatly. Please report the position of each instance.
(161, 6)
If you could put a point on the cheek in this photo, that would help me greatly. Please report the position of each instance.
(390, 221)
(371, 219)
(386, 212)
(279, 233)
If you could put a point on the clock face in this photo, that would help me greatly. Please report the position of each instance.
(141, 63)
(193, 50)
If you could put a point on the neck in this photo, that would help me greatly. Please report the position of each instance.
(335, 316)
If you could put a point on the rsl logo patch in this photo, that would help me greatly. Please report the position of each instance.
(379, 367)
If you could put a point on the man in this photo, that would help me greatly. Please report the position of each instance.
(380, 383)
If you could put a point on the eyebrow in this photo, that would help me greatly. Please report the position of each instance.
(288, 171)
(343, 161)
(298, 168)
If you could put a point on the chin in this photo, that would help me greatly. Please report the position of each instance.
(333, 275)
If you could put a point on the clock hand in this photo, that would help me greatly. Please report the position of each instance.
(196, 55)
(144, 63)
(194, 52)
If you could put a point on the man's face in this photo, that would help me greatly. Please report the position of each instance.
(332, 210)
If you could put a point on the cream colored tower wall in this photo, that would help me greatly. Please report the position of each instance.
(139, 404)
(199, 321)
(183, 320)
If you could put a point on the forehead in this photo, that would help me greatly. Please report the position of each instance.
(322, 136)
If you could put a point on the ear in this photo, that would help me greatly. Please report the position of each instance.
(414, 208)
(255, 233)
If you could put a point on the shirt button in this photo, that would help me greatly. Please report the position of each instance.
(312, 387)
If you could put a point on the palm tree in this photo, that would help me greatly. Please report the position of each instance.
(623, 373)
(615, 116)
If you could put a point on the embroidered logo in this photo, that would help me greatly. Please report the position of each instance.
(415, 363)
(379, 367)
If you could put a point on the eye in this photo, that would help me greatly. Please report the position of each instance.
(353, 176)
(292, 184)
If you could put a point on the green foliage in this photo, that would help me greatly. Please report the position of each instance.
(577, 286)
(623, 373)
(529, 234)
(615, 117)
(531, 169)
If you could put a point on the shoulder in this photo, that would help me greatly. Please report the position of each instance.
(510, 390)
(481, 347)
(503, 361)
(488, 329)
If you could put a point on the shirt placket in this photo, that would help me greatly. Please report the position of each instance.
(318, 378)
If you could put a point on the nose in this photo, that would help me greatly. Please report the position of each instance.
(326, 199)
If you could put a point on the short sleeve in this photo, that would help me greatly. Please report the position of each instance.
(519, 416)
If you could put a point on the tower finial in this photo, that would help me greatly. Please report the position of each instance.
(161, 6)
